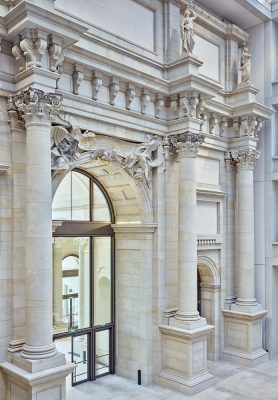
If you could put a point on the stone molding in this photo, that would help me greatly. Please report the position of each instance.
(245, 158)
(35, 106)
(134, 228)
(184, 144)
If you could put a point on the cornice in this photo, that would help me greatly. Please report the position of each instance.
(254, 108)
(217, 25)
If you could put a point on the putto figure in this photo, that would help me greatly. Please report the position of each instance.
(245, 64)
(187, 32)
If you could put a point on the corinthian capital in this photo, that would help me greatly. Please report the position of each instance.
(33, 105)
(245, 158)
(186, 144)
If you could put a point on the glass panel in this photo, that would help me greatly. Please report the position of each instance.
(71, 283)
(80, 358)
(102, 352)
(101, 210)
(72, 198)
(61, 206)
(80, 197)
(102, 280)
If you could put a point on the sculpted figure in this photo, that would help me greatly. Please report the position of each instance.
(64, 147)
(245, 65)
(187, 32)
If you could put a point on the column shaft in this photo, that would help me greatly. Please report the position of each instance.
(246, 274)
(187, 306)
(186, 146)
(245, 159)
(39, 343)
(230, 230)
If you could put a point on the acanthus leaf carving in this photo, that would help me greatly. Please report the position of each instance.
(158, 105)
(114, 89)
(56, 58)
(184, 144)
(33, 50)
(175, 104)
(96, 84)
(213, 121)
(200, 106)
(33, 105)
(223, 125)
(184, 104)
(145, 100)
(77, 78)
(245, 158)
(130, 95)
(19, 56)
(193, 101)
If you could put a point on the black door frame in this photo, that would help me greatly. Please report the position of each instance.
(91, 230)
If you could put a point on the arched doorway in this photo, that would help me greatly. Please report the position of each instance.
(83, 275)
(209, 302)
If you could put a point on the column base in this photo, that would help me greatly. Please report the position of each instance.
(184, 358)
(44, 385)
(243, 337)
(34, 366)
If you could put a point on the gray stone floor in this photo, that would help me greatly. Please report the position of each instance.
(231, 382)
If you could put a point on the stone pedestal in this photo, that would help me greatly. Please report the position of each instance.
(243, 338)
(184, 358)
(49, 384)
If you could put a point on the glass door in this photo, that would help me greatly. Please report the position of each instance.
(80, 352)
(103, 352)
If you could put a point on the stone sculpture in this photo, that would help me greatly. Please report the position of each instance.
(245, 65)
(137, 159)
(187, 32)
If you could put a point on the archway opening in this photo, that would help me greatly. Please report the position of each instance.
(209, 301)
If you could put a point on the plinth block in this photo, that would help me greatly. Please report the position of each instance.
(243, 338)
(44, 385)
(185, 358)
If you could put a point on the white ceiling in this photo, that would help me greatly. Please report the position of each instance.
(234, 12)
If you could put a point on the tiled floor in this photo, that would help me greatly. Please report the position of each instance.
(231, 383)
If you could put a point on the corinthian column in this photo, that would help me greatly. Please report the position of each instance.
(36, 108)
(186, 146)
(245, 159)
(243, 319)
(185, 338)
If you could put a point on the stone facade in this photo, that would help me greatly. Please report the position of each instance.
(176, 122)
